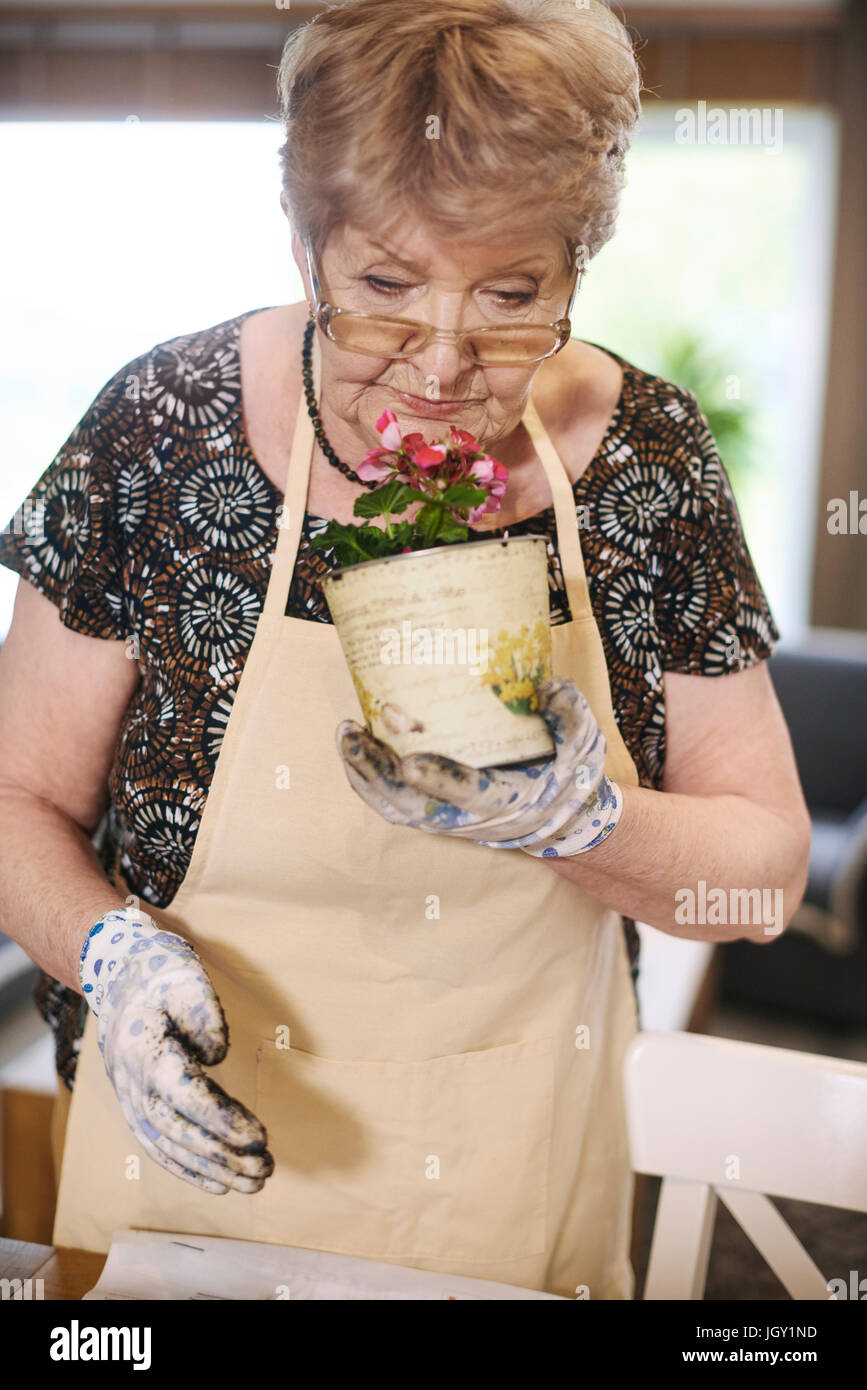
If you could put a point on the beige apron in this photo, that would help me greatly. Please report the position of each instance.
(456, 1016)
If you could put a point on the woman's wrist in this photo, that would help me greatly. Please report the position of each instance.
(107, 945)
(589, 828)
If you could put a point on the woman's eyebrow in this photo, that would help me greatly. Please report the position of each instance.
(536, 268)
(393, 256)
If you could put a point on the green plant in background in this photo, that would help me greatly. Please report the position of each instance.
(688, 360)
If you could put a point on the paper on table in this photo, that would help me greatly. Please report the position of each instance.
(166, 1265)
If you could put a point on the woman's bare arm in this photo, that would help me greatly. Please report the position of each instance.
(731, 815)
(62, 699)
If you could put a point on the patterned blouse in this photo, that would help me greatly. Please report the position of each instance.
(155, 525)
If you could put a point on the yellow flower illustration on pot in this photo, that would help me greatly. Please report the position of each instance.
(520, 661)
(370, 706)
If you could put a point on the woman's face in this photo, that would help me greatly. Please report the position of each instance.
(411, 274)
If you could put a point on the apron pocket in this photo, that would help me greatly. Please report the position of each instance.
(444, 1159)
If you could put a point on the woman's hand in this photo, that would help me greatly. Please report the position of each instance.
(159, 1023)
(550, 808)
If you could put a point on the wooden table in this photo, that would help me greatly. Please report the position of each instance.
(66, 1274)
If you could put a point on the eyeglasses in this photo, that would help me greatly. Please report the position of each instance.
(377, 335)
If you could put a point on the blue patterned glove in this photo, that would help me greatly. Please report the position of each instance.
(159, 1022)
(550, 808)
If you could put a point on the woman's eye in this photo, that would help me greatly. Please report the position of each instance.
(509, 298)
(377, 282)
(518, 298)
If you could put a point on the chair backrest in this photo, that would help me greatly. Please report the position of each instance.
(716, 1118)
(826, 670)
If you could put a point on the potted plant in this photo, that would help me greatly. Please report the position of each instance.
(445, 642)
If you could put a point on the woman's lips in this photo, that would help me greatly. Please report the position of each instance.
(435, 410)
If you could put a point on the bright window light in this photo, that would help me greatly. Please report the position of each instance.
(119, 235)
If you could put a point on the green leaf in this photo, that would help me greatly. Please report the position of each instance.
(464, 494)
(402, 534)
(335, 533)
(353, 544)
(393, 496)
(452, 529)
(428, 522)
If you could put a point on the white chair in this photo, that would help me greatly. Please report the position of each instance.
(716, 1118)
(672, 977)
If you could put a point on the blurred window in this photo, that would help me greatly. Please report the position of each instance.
(124, 234)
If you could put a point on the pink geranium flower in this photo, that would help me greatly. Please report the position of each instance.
(500, 479)
(482, 469)
(375, 469)
(389, 429)
(438, 472)
(431, 456)
(463, 437)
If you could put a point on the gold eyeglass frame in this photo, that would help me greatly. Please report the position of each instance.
(323, 313)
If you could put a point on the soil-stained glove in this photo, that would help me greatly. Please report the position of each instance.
(159, 1022)
(550, 808)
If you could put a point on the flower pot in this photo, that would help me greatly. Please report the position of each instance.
(446, 646)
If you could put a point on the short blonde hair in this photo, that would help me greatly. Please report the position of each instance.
(534, 103)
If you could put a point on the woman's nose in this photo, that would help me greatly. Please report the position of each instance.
(441, 364)
(442, 361)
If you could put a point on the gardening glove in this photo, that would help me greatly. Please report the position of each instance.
(159, 1022)
(550, 808)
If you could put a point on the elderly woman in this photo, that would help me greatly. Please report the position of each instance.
(269, 1032)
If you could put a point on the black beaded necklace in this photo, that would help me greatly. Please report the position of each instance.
(313, 411)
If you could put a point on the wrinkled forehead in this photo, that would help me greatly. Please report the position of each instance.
(412, 243)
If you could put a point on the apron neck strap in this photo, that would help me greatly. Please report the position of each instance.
(291, 518)
(568, 539)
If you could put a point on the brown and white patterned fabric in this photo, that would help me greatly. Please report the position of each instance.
(158, 528)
